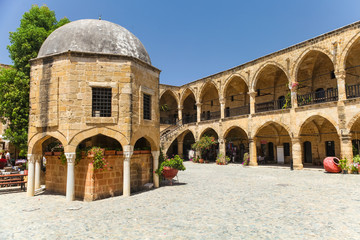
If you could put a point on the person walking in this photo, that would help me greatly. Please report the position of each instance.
(7, 156)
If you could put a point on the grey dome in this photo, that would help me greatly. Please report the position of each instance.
(94, 36)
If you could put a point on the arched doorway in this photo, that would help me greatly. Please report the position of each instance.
(212, 153)
(273, 144)
(352, 67)
(210, 108)
(168, 108)
(189, 112)
(141, 165)
(316, 78)
(319, 139)
(237, 100)
(189, 140)
(237, 144)
(355, 137)
(173, 149)
(271, 83)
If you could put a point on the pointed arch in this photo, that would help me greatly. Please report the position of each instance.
(234, 127)
(79, 137)
(208, 129)
(269, 123)
(297, 63)
(203, 88)
(36, 140)
(230, 79)
(185, 93)
(172, 93)
(346, 50)
(314, 116)
(260, 70)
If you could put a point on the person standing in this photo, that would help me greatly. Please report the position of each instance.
(7, 156)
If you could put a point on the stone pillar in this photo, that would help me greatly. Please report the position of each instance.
(253, 154)
(340, 77)
(128, 151)
(346, 148)
(297, 154)
(31, 175)
(155, 155)
(180, 149)
(70, 177)
(222, 148)
(180, 108)
(252, 102)
(222, 108)
(37, 171)
(198, 111)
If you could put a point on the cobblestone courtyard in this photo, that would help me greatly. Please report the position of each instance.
(211, 202)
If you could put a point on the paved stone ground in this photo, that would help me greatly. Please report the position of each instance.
(212, 202)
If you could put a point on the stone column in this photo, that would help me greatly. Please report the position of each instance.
(70, 177)
(222, 108)
(253, 154)
(128, 151)
(222, 148)
(155, 155)
(37, 171)
(31, 175)
(198, 111)
(346, 148)
(340, 77)
(297, 154)
(180, 108)
(180, 149)
(252, 102)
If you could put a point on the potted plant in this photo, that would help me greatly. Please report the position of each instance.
(343, 165)
(170, 167)
(99, 161)
(354, 168)
(137, 151)
(246, 159)
(356, 159)
(203, 144)
(220, 160)
(119, 151)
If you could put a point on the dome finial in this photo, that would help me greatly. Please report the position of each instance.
(100, 17)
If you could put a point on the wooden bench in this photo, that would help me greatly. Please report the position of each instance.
(13, 179)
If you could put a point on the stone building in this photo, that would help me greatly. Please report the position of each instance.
(92, 84)
(299, 103)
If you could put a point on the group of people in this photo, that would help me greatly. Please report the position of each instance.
(5, 157)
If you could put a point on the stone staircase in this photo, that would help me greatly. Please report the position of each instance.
(168, 135)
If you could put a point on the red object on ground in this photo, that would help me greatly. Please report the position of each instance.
(3, 163)
(331, 164)
(169, 173)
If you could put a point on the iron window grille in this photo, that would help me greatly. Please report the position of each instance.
(101, 102)
(147, 106)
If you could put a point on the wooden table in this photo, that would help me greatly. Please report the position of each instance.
(13, 179)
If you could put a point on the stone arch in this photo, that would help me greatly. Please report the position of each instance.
(353, 120)
(139, 134)
(312, 117)
(171, 92)
(169, 104)
(261, 126)
(231, 78)
(231, 128)
(79, 137)
(203, 87)
(261, 68)
(346, 50)
(36, 140)
(302, 56)
(183, 97)
(236, 143)
(207, 129)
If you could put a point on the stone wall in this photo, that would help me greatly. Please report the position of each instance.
(91, 185)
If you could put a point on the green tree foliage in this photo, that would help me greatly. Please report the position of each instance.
(35, 27)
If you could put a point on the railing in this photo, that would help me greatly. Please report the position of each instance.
(172, 127)
(168, 120)
(189, 118)
(353, 91)
(210, 115)
(328, 95)
(229, 112)
(272, 105)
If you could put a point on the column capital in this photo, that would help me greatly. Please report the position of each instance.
(340, 74)
(70, 157)
(180, 107)
(128, 151)
(296, 140)
(198, 104)
(346, 137)
(31, 158)
(252, 94)
(222, 100)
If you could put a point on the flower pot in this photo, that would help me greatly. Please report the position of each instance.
(169, 173)
(331, 164)
(57, 153)
(119, 152)
(201, 160)
(48, 153)
(344, 171)
(26, 172)
(109, 152)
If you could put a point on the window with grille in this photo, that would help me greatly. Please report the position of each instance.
(147, 106)
(101, 102)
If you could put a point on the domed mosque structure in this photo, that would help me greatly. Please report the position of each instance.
(92, 85)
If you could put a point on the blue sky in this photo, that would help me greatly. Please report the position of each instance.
(191, 39)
